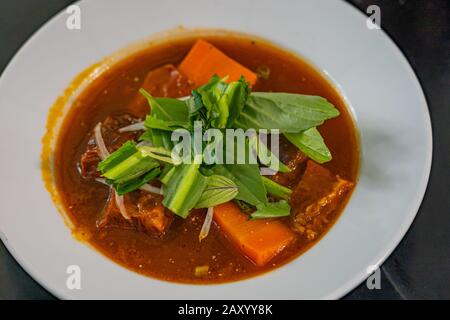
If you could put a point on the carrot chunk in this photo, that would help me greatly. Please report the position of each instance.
(204, 60)
(259, 240)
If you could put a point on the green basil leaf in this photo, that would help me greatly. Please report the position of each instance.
(222, 102)
(234, 98)
(167, 109)
(311, 143)
(248, 179)
(158, 138)
(152, 122)
(211, 93)
(194, 104)
(166, 113)
(219, 189)
(146, 136)
(171, 109)
(286, 112)
(272, 210)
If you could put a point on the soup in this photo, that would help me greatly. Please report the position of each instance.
(145, 231)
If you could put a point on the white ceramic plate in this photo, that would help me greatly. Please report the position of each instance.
(369, 70)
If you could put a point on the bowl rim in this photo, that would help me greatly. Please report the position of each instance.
(358, 278)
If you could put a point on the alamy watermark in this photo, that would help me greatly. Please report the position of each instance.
(373, 22)
(73, 21)
(373, 281)
(73, 281)
(227, 146)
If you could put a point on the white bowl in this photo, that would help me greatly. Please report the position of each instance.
(369, 70)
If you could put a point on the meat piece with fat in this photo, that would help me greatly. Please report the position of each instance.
(315, 198)
(146, 213)
(89, 161)
(111, 216)
(162, 82)
(113, 139)
(152, 215)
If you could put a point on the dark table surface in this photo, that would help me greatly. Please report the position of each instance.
(420, 266)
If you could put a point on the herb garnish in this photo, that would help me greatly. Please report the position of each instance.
(219, 105)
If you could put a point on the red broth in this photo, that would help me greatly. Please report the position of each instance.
(175, 256)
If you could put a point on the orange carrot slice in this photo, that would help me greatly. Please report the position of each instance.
(259, 240)
(204, 60)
